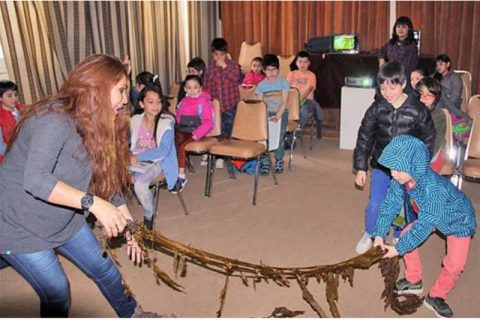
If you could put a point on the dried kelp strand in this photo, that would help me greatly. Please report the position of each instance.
(283, 312)
(307, 296)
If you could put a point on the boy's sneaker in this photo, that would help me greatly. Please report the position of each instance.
(179, 185)
(403, 286)
(264, 169)
(219, 164)
(438, 306)
(204, 161)
(364, 244)
(278, 166)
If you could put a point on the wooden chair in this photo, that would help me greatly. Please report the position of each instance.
(203, 146)
(448, 167)
(474, 106)
(471, 164)
(293, 106)
(467, 87)
(174, 89)
(249, 141)
(247, 94)
(248, 51)
(285, 62)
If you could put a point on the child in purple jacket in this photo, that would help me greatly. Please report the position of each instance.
(196, 103)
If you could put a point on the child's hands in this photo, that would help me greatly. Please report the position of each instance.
(391, 252)
(128, 64)
(361, 178)
(220, 59)
(378, 242)
(194, 137)
(274, 118)
(133, 159)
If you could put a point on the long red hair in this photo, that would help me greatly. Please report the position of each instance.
(86, 97)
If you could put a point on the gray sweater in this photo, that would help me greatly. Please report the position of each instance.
(453, 82)
(47, 150)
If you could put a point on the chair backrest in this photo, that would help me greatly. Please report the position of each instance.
(217, 130)
(173, 104)
(285, 62)
(174, 89)
(248, 94)
(467, 87)
(473, 146)
(293, 104)
(251, 121)
(448, 152)
(248, 51)
(474, 106)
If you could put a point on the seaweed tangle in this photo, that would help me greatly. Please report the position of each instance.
(282, 276)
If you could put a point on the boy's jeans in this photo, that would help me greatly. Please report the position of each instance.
(378, 192)
(310, 106)
(142, 189)
(44, 273)
(228, 117)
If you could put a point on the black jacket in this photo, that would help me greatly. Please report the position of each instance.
(382, 122)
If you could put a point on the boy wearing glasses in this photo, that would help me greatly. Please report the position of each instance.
(274, 91)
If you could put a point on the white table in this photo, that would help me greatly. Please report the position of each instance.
(354, 103)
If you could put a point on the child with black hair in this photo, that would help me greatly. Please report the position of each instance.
(152, 139)
(10, 112)
(306, 82)
(196, 66)
(393, 114)
(142, 80)
(255, 75)
(222, 79)
(439, 206)
(274, 91)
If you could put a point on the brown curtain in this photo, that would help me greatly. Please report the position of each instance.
(448, 27)
(284, 26)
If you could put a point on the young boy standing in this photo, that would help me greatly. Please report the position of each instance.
(393, 114)
(439, 206)
(10, 111)
(222, 79)
(274, 91)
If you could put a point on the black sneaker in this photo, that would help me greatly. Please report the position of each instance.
(278, 166)
(264, 169)
(403, 286)
(179, 185)
(438, 306)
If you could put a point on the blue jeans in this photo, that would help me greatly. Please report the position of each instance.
(228, 116)
(378, 192)
(310, 106)
(142, 189)
(44, 273)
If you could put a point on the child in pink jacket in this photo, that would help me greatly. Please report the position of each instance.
(197, 103)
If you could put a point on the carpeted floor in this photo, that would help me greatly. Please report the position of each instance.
(313, 217)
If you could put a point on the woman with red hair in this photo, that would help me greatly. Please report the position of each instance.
(68, 156)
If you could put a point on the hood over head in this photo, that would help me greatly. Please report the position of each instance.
(407, 154)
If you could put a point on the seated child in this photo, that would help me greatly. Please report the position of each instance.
(306, 82)
(10, 112)
(196, 105)
(195, 66)
(274, 91)
(255, 75)
(152, 139)
(439, 206)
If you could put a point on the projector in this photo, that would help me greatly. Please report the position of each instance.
(359, 82)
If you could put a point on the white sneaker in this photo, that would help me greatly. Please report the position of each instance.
(219, 164)
(364, 244)
(204, 161)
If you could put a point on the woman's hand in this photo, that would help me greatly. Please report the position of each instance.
(109, 216)
(134, 252)
(361, 178)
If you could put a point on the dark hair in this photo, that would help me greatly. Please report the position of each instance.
(197, 63)
(165, 105)
(270, 60)
(392, 71)
(405, 21)
(6, 85)
(301, 54)
(258, 59)
(193, 77)
(432, 85)
(421, 71)
(444, 58)
(219, 44)
(148, 79)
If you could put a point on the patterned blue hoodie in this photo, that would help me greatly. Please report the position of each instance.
(441, 206)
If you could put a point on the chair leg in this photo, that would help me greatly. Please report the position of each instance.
(156, 192)
(182, 202)
(190, 166)
(272, 169)
(231, 173)
(290, 156)
(312, 121)
(207, 175)
(212, 174)
(255, 183)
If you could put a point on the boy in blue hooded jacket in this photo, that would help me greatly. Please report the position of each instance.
(438, 205)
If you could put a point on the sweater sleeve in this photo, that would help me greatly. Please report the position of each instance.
(414, 237)
(206, 124)
(456, 87)
(365, 140)
(49, 136)
(163, 149)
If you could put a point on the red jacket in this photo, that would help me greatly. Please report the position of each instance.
(7, 123)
